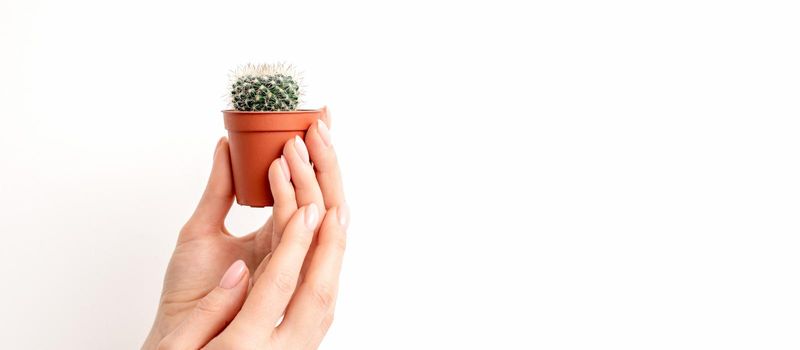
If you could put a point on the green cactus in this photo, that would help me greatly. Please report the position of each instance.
(265, 88)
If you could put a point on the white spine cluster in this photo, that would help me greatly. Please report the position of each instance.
(263, 69)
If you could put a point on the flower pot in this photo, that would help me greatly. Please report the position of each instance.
(256, 139)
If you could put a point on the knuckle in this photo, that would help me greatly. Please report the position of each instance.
(284, 282)
(327, 161)
(209, 305)
(301, 240)
(323, 295)
(326, 323)
(192, 229)
(187, 228)
(339, 243)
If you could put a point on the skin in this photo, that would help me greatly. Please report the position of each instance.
(273, 288)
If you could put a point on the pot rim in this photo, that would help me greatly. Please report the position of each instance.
(248, 121)
(296, 111)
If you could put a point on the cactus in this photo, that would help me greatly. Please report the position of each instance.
(265, 87)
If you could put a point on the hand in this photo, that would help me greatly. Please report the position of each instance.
(196, 304)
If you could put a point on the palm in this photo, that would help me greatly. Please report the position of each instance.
(197, 264)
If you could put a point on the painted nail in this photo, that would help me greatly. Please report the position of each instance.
(343, 214)
(312, 215)
(301, 149)
(234, 274)
(285, 168)
(324, 133)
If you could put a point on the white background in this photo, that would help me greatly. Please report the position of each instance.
(550, 175)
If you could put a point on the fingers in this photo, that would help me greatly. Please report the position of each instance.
(216, 201)
(285, 202)
(306, 188)
(318, 140)
(283, 207)
(310, 312)
(326, 116)
(271, 292)
(212, 313)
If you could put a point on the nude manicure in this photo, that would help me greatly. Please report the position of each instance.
(234, 274)
(285, 168)
(324, 132)
(301, 149)
(311, 216)
(343, 215)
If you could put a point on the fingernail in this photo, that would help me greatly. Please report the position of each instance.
(344, 216)
(301, 149)
(324, 133)
(312, 215)
(234, 274)
(285, 168)
(216, 148)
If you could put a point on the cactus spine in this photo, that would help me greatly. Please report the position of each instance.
(265, 87)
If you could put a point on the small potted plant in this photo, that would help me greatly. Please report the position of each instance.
(264, 115)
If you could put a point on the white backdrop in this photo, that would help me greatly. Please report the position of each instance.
(551, 175)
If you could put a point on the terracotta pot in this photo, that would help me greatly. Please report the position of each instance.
(256, 139)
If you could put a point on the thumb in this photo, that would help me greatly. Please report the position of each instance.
(217, 198)
(212, 313)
